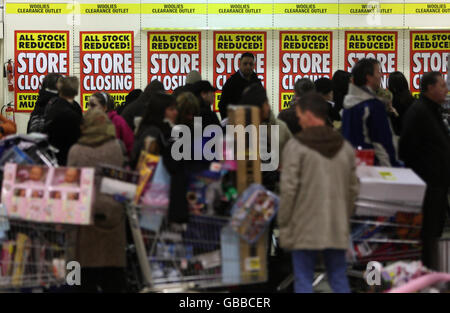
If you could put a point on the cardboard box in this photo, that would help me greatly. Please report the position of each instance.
(391, 185)
(248, 171)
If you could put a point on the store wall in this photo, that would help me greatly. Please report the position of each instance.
(140, 17)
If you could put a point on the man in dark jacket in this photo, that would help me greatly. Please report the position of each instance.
(63, 119)
(48, 92)
(289, 116)
(425, 147)
(365, 120)
(235, 85)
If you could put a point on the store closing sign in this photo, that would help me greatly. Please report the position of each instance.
(37, 53)
(107, 65)
(228, 48)
(171, 56)
(377, 45)
(429, 52)
(303, 55)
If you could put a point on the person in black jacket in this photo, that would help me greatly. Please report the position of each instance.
(63, 119)
(341, 80)
(289, 115)
(204, 91)
(137, 107)
(425, 147)
(402, 99)
(324, 86)
(48, 91)
(235, 85)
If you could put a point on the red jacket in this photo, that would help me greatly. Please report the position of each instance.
(123, 131)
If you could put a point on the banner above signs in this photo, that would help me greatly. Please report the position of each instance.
(172, 55)
(37, 53)
(377, 45)
(429, 51)
(303, 55)
(265, 14)
(107, 65)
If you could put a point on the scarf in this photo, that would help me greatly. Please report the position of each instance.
(96, 129)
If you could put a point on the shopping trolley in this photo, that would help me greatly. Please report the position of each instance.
(176, 257)
(33, 255)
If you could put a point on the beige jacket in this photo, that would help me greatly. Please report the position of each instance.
(319, 187)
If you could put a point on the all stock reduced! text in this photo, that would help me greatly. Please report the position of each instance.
(228, 48)
(37, 53)
(107, 64)
(377, 45)
(171, 56)
(429, 52)
(303, 55)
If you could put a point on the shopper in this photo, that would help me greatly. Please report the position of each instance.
(63, 118)
(105, 102)
(7, 127)
(324, 87)
(256, 95)
(154, 125)
(188, 107)
(289, 115)
(425, 147)
(191, 78)
(137, 108)
(130, 98)
(341, 80)
(48, 91)
(100, 248)
(365, 121)
(318, 189)
(235, 85)
(402, 99)
(204, 91)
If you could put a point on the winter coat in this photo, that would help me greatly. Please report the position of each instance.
(318, 189)
(289, 116)
(101, 244)
(232, 91)
(365, 124)
(425, 143)
(123, 131)
(7, 127)
(62, 125)
(36, 123)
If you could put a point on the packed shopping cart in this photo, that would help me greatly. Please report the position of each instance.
(33, 255)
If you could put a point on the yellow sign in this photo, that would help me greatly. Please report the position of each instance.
(236, 41)
(309, 42)
(41, 41)
(173, 8)
(387, 176)
(106, 42)
(368, 8)
(230, 8)
(286, 98)
(306, 8)
(427, 8)
(216, 102)
(174, 42)
(371, 42)
(26, 101)
(119, 99)
(39, 8)
(430, 41)
(104, 8)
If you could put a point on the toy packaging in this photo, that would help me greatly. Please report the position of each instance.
(253, 211)
(146, 168)
(54, 195)
(117, 181)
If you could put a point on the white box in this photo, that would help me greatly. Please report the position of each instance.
(391, 185)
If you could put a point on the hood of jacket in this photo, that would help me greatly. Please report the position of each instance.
(356, 95)
(322, 139)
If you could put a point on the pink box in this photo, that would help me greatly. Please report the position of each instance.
(54, 195)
